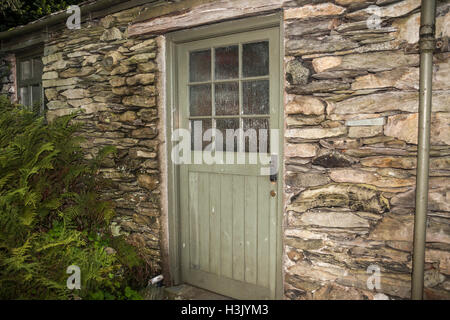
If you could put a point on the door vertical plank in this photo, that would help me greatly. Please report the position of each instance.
(238, 227)
(203, 209)
(251, 223)
(226, 220)
(263, 231)
(184, 220)
(214, 226)
(193, 220)
(273, 241)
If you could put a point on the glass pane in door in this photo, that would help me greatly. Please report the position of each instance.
(255, 59)
(200, 100)
(200, 65)
(257, 139)
(256, 97)
(222, 125)
(198, 129)
(227, 62)
(227, 98)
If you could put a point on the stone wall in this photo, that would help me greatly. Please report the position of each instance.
(350, 183)
(111, 80)
(8, 76)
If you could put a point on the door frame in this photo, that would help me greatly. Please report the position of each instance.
(171, 122)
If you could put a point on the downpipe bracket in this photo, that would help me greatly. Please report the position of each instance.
(427, 41)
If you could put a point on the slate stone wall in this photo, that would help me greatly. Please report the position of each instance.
(8, 76)
(111, 80)
(350, 184)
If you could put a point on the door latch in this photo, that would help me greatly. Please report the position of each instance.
(274, 168)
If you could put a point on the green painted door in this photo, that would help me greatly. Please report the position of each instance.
(229, 86)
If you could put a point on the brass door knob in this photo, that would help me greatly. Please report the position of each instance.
(273, 193)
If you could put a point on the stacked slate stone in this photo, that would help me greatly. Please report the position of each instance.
(351, 181)
(111, 80)
(7, 76)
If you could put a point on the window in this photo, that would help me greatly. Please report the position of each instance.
(29, 82)
(229, 88)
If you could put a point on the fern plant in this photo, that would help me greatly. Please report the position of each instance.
(51, 214)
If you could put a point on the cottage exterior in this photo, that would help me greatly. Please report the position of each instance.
(336, 80)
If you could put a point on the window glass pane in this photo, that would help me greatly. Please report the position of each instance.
(36, 98)
(256, 97)
(255, 59)
(25, 68)
(198, 128)
(200, 100)
(24, 96)
(227, 98)
(256, 135)
(36, 94)
(222, 125)
(200, 66)
(37, 67)
(227, 62)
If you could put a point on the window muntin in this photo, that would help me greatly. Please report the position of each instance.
(229, 89)
(29, 82)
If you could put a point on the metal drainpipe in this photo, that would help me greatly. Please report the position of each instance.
(427, 45)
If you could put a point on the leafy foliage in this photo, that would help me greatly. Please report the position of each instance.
(19, 12)
(51, 214)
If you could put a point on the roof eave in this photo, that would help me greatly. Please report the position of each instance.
(59, 17)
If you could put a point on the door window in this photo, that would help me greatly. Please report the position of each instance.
(229, 89)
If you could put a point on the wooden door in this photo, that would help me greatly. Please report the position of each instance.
(228, 207)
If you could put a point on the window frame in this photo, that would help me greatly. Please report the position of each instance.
(35, 79)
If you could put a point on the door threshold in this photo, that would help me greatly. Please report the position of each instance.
(188, 292)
